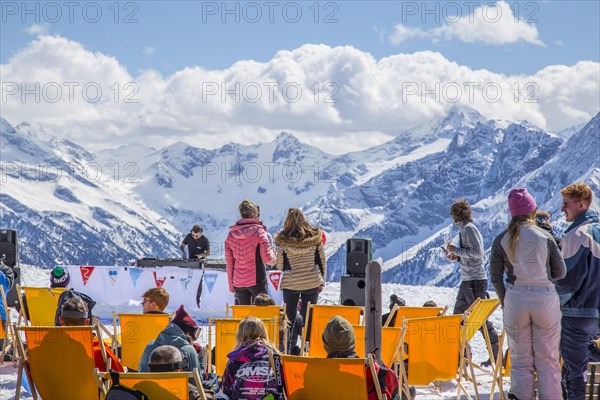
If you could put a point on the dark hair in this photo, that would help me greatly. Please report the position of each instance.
(395, 300)
(74, 312)
(263, 299)
(196, 229)
(461, 211)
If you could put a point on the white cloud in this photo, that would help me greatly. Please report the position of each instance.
(344, 93)
(493, 24)
(149, 51)
(37, 29)
(403, 33)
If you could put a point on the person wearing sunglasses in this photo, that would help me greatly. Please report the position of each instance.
(579, 291)
(182, 333)
(197, 244)
(154, 301)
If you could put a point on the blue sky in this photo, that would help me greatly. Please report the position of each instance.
(168, 36)
(363, 72)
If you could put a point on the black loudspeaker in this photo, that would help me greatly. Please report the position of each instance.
(352, 291)
(8, 247)
(12, 298)
(358, 255)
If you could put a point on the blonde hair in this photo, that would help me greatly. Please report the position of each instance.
(514, 229)
(297, 226)
(580, 190)
(249, 209)
(158, 295)
(252, 330)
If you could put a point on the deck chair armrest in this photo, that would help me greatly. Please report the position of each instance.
(371, 363)
(393, 312)
(198, 381)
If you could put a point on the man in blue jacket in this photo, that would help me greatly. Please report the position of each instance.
(579, 291)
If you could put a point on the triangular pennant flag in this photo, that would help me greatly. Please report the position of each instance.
(135, 273)
(159, 281)
(113, 273)
(86, 272)
(275, 278)
(210, 280)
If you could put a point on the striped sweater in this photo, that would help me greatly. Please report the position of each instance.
(302, 260)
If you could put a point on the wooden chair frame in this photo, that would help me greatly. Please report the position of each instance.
(103, 379)
(9, 335)
(310, 309)
(366, 362)
(403, 377)
(280, 312)
(24, 359)
(212, 325)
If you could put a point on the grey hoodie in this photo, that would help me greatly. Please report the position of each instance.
(471, 252)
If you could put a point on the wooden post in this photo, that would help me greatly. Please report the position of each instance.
(373, 309)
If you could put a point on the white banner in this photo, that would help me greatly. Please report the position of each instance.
(121, 288)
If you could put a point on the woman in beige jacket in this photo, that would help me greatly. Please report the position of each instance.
(302, 259)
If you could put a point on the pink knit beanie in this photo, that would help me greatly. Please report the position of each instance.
(520, 202)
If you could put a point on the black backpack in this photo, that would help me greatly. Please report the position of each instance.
(119, 392)
(69, 294)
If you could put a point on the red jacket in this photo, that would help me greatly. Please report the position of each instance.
(115, 364)
(247, 250)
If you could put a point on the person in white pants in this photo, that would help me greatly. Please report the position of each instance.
(531, 260)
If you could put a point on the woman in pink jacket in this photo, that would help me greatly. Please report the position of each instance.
(247, 250)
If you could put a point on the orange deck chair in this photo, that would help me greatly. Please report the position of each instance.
(320, 316)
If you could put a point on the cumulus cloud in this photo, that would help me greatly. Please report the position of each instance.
(492, 24)
(328, 96)
(37, 29)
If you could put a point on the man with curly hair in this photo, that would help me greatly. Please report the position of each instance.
(470, 254)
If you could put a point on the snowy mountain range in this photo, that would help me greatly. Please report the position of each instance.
(78, 207)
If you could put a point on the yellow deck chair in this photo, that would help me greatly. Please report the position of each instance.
(411, 312)
(225, 331)
(319, 315)
(390, 340)
(474, 318)
(59, 354)
(155, 385)
(433, 352)
(308, 378)
(133, 332)
(263, 312)
(41, 304)
(500, 370)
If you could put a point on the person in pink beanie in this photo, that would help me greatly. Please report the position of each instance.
(531, 261)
